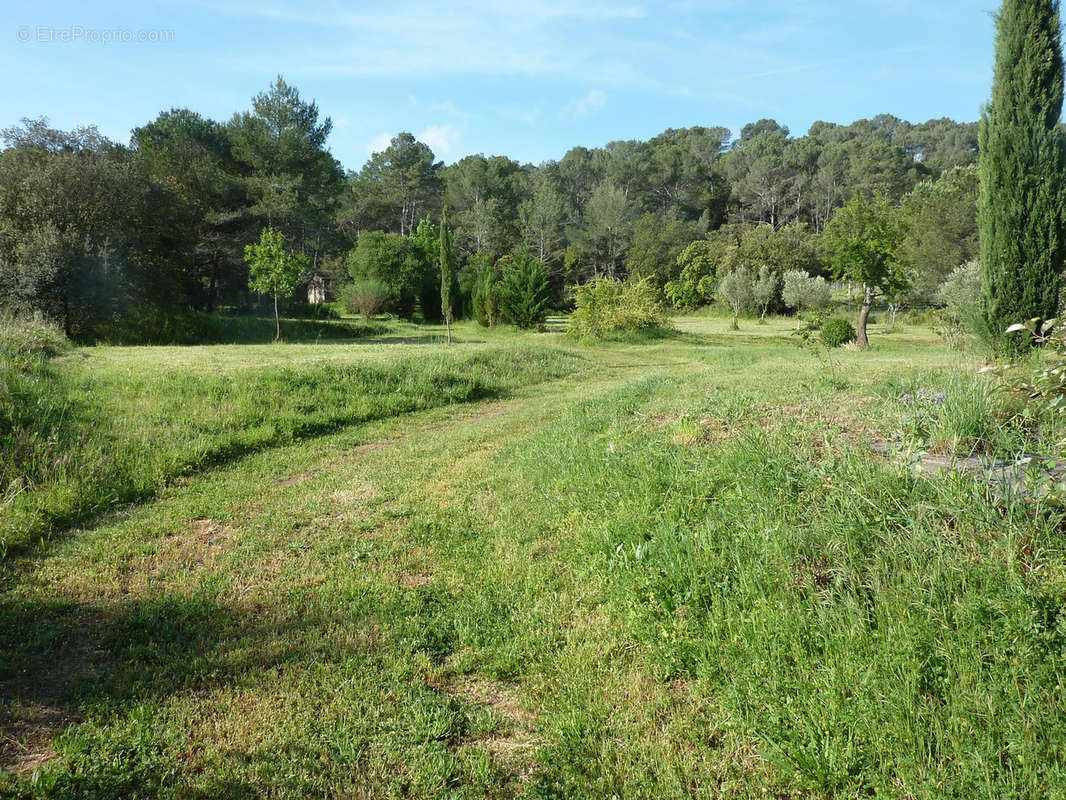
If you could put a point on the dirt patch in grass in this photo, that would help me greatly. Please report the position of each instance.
(353, 496)
(512, 743)
(293, 480)
(414, 580)
(196, 547)
(26, 733)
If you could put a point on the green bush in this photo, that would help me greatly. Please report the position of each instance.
(485, 292)
(524, 291)
(837, 331)
(604, 306)
(365, 297)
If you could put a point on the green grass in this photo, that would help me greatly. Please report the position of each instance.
(89, 435)
(666, 569)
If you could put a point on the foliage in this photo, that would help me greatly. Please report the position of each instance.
(366, 297)
(301, 309)
(606, 230)
(485, 296)
(735, 290)
(837, 331)
(541, 218)
(940, 221)
(863, 239)
(423, 268)
(289, 177)
(1045, 388)
(1023, 161)
(92, 231)
(604, 306)
(272, 269)
(742, 246)
(149, 326)
(524, 290)
(74, 229)
(764, 290)
(394, 189)
(386, 257)
(698, 265)
(801, 291)
(961, 295)
(657, 243)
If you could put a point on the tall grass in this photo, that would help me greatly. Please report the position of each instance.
(77, 442)
(878, 633)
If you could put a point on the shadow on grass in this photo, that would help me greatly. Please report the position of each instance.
(64, 662)
(39, 521)
(202, 329)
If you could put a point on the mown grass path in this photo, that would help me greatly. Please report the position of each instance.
(639, 581)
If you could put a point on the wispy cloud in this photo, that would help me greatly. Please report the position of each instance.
(443, 140)
(378, 143)
(593, 101)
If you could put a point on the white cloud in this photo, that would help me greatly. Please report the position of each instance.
(593, 101)
(531, 38)
(443, 140)
(378, 143)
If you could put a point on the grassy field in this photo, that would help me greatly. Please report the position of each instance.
(518, 567)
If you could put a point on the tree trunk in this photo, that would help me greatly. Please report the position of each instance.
(212, 291)
(864, 313)
(277, 320)
(448, 325)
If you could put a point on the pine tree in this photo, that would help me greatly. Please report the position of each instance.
(1022, 157)
(447, 274)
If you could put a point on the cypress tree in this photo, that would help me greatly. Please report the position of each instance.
(1022, 157)
(447, 273)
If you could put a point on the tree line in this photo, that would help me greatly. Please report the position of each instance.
(94, 233)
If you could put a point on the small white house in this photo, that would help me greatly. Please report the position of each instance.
(316, 290)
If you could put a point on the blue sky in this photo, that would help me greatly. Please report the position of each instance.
(527, 79)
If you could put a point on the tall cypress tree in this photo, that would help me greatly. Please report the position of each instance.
(447, 273)
(1022, 157)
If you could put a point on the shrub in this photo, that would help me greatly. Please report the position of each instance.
(365, 297)
(735, 289)
(524, 291)
(765, 289)
(837, 331)
(605, 305)
(485, 292)
(802, 291)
